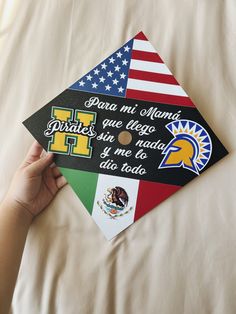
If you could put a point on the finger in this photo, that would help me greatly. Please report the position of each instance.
(50, 180)
(60, 182)
(37, 167)
(33, 154)
(56, 172)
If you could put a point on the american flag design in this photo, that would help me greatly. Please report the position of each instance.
(135, 71)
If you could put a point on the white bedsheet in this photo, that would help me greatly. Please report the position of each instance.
(180, 257)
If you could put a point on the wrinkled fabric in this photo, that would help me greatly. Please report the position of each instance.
(180, 257)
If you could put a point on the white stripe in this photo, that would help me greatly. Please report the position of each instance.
(149, 66)
(143, 45)
(111, 227)
(154, 87)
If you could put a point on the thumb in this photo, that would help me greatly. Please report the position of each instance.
(37, 167)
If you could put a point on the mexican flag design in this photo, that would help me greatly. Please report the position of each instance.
(142, 196)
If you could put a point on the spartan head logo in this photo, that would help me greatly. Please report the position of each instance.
(190, 148)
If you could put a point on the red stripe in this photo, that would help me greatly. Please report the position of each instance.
(162, 98)
(146, 56)
(150, 194)
(141, 36)
(153, 77)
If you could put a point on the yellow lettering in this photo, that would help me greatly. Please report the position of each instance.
(81, 143)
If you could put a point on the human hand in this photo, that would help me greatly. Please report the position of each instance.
(33, 187)
(35, 182)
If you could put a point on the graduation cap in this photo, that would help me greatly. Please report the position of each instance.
(126, 136)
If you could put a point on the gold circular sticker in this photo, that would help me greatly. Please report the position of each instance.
(125, 138)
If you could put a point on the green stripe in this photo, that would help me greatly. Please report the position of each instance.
(84, 184)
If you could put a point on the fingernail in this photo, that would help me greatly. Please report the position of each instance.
(48, 155)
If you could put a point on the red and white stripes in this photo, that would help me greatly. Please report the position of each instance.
(150, 79)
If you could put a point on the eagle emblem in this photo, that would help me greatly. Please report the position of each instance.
(115, 202)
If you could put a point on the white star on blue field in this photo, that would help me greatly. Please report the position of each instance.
(110, 76)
